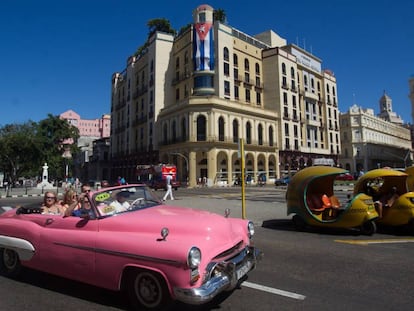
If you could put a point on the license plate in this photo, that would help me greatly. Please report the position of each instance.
(242, 271)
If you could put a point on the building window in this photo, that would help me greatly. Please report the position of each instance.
(226, 54)
(236, 92)
(260, 134)
(174, 132)
(286, 129)
(248, 96)
(227, 88)
(258, 99)
(201, 128)
(283, 68)
(271, 136)
(186, 57)
(177, 94)
(248, 133)
(257, 67)
(292, 73)
(235, 131)
(165, 134)
(246, 64)
(235, 60)
(226, 69)
(177, 63)
(183, 130)
(221, 128)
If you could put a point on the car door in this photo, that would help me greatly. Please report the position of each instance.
(67, 246)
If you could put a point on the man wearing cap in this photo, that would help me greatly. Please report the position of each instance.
(168, 180)
(121, 204)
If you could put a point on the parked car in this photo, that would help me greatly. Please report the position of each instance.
(155, 252)
(345, 176)
(284, 181)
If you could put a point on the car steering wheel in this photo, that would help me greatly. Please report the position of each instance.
(138, 202)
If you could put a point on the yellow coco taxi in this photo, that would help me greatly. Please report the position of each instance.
(311, 198)
(391, 193)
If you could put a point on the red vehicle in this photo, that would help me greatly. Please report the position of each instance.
(345, 176)
(155, 175)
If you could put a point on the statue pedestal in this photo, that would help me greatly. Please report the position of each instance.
(45, 185)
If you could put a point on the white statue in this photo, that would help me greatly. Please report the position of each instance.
(45, 184)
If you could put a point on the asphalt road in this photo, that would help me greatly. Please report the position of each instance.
(313, 270)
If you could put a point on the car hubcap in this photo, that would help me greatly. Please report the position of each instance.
(148, 289)
(9, 259)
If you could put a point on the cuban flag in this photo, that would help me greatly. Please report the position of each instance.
(203, 44)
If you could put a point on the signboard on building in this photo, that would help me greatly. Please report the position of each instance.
(307, 61)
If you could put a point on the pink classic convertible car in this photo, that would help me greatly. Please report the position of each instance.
(154, 252)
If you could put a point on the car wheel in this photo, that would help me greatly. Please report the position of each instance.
(148, 290)
(368, 228)
(10, 265)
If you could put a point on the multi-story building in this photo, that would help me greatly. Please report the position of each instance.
(370, 141)
(191, 99)
(89, 132)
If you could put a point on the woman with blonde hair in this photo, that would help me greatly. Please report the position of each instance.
(51, 205)
(70, 197)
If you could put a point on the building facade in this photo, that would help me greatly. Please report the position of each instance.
(370, 141)
(193, 98)
(94, 146)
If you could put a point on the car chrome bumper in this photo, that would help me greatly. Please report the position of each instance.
(232, 272)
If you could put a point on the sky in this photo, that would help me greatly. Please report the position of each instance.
(60, 55)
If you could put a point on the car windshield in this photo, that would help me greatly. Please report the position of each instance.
(113, 201)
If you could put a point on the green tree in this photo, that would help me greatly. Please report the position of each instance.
(54, 136)
(154, 25)
(19, 153)
(220, 15)
(160, 24)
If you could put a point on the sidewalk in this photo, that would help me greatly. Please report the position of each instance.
(27, 192)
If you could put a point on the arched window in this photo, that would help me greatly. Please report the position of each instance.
(221, 128)
(271, 136)
(174, 131)
(165, 134)
(183, 130)
(201, 128)
(246, 64)
(235, 60)
(248, 133)
(235, 131)
(260, 134)
(257, 69)
(226, 54)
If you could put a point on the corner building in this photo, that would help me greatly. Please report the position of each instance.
(189, 99)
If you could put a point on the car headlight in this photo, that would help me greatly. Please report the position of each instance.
(194, 257)
(250, 229)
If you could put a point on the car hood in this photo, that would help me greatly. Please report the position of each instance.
(186, 226)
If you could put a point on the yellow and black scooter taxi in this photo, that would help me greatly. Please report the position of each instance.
(310, 197)
(392, 196)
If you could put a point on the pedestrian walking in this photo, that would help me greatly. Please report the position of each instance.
(169, 187)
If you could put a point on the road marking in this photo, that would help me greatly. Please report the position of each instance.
(382, 241)
(274, 291)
